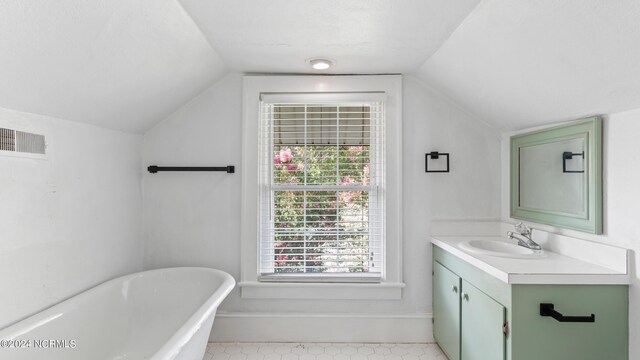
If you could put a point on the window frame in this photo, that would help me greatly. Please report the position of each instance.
(375, 188)
(390, 286)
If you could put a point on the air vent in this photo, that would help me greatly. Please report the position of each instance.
(21, 142)
(7, 139)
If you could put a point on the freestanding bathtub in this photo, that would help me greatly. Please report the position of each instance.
(158, 314)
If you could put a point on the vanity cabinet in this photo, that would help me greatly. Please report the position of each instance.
(478, 316)
(468, 324)
(446, 310)
(482, 329)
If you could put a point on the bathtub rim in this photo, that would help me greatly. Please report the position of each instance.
(193, 324)
(179, 338)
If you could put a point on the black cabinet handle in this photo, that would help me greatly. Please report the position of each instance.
(548, 310)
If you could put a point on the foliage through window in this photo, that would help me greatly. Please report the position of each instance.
(322, 191)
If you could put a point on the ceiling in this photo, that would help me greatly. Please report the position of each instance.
(127, 64)
(362, 36)
(518, 64)
(120, 64)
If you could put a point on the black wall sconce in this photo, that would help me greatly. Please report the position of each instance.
(568, 155)
(434, 155)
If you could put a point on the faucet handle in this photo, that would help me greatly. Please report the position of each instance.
(523, 229)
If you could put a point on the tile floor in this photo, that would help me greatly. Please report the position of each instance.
(322, 351)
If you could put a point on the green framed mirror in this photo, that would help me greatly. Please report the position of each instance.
(556, 175)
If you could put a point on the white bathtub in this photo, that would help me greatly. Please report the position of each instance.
(157, 314)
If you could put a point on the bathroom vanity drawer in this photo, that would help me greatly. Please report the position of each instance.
(543, 337)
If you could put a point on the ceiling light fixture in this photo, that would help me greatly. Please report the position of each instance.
(320, 64)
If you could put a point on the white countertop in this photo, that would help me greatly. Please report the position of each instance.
(553, 269)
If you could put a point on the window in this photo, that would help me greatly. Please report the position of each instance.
(306, 141)
(322, 196)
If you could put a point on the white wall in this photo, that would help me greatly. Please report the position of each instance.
(194, 218)
(68, 222)
(621, 158)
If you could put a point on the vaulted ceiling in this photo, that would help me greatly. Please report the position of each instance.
(127, 64)
(362, 36)
(522, 63)
(120, 64)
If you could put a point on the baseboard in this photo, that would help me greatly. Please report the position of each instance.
(322, 327)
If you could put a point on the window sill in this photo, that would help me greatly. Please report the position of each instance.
(321, 291)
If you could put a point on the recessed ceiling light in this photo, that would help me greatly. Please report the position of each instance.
(320, 64)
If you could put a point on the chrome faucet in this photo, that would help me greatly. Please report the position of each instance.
(525, 232)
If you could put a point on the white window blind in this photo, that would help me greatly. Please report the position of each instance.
(321, 191)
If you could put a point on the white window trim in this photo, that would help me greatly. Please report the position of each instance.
(392, 284)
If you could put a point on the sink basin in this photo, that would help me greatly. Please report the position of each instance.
(501, 249)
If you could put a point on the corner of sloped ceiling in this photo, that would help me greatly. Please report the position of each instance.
(200, 83)
(121, 65)
(438, 86)
(173, 116)
(418, 79)
(523, 64)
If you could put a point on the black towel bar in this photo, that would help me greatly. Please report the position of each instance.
(230, 169)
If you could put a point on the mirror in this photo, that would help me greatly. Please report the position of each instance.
(556, 175)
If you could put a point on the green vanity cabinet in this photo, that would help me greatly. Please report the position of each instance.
(446, 310)
(467, 323)
(482, 336)
(478, 316)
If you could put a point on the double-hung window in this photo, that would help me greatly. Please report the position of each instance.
(321, 187)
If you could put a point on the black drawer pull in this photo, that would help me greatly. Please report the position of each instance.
(547, 310)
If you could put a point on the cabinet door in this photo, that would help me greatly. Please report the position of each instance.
(482, 321)
(446, 310)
